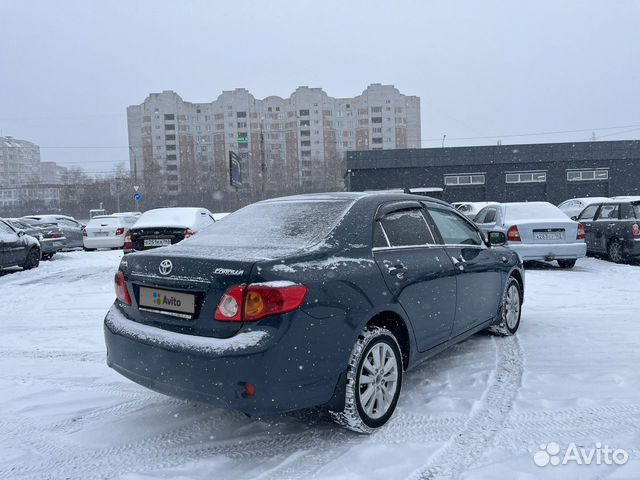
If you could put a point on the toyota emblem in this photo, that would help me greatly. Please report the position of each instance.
(165, 267)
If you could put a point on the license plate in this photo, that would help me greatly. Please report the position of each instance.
(100, 234)
(548, 236)
(157, 242)
(167, 300)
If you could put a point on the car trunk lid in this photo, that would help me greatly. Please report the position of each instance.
(546, 231)
(180, 291)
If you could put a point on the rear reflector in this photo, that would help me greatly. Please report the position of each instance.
(188, 233)
(251, 303)
(120, 231)
(128, 244)
(581, 232)
(122, 292)
(84, 232)
(512, 234)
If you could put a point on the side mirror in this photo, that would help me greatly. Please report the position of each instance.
(497, 238)
(20, 232)
(574, 218)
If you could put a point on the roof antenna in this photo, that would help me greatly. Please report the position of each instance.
(443, 137)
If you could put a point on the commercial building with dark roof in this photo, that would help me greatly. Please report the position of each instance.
(550, 172)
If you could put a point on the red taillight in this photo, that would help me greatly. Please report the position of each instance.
(122, 292)
(128, 244)
(230, 306)
(581, 232)
(84, 232)
(120, 231)
(59, 235)
(635, 230)
(512, 234)
(250, 304)
(189, 233)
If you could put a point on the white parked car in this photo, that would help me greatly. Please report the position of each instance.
(471, 209)
(165, 226)
(574, 206)
(107, 231)
(536, 231)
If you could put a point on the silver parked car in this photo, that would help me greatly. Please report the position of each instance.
(536, 231)
(69, 226)
(574, 206)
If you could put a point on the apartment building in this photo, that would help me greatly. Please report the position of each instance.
(286, 145)
(19, 162)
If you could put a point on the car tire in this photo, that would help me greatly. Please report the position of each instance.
(32, 260)
(615, 251)
(510, 311)
(368, 386)
(566, 263)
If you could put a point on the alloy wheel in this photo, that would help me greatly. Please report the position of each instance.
(512, 306)
(378, 380)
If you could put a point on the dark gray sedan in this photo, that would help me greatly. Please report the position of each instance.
(315, 300)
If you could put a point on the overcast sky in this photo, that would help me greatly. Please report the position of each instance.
(68, 69)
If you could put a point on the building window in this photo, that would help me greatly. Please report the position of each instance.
(305, 123)
(242, 124)
(171, 147)
(241, 114)
(464, 179)
(305, 133)
(526, 177)
(305, 143)
(305, 153)
(587, 175)
(304, 113)
(376, 119)
(170, 138)
(170, 126)
(376, 140)
(169, 116)
(376, 109)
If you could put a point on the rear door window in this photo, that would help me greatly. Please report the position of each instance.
(379, 239)
(589, 212)
(627, 211)
(608, 212)
(486, 216)
(407, 228)
(453, 229)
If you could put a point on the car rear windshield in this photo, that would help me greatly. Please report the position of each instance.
(110, 221)
(533, 211)
(289, 224)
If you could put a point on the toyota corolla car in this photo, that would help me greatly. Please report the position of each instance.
(318, 300)
(536, 231)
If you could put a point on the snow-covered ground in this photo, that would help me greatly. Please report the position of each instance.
(479, 411)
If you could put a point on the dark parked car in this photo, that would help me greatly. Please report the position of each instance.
(317, 300)
(49, 235)
(17, 249)
(166, 226)
(613, 229)
(69, 226)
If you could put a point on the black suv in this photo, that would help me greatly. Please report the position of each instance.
(17, 248)
(613, 228)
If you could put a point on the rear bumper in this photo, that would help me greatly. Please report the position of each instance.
(632, 248)
(214, 370)
(103, 242)
(52, 245)
(550, 251)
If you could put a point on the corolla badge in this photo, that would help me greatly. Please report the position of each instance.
(165, 267)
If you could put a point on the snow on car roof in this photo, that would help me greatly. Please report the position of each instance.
(183, 217)
(533, 210)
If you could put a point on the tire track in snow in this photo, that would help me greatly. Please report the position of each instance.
(466, 446)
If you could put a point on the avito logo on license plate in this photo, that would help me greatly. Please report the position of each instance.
(167, 300)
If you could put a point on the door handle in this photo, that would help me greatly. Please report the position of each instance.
(398, 270)
(612, 224)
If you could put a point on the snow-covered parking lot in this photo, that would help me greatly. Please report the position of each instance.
(481, 410)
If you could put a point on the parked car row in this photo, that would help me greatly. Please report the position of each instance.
(17, 249)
